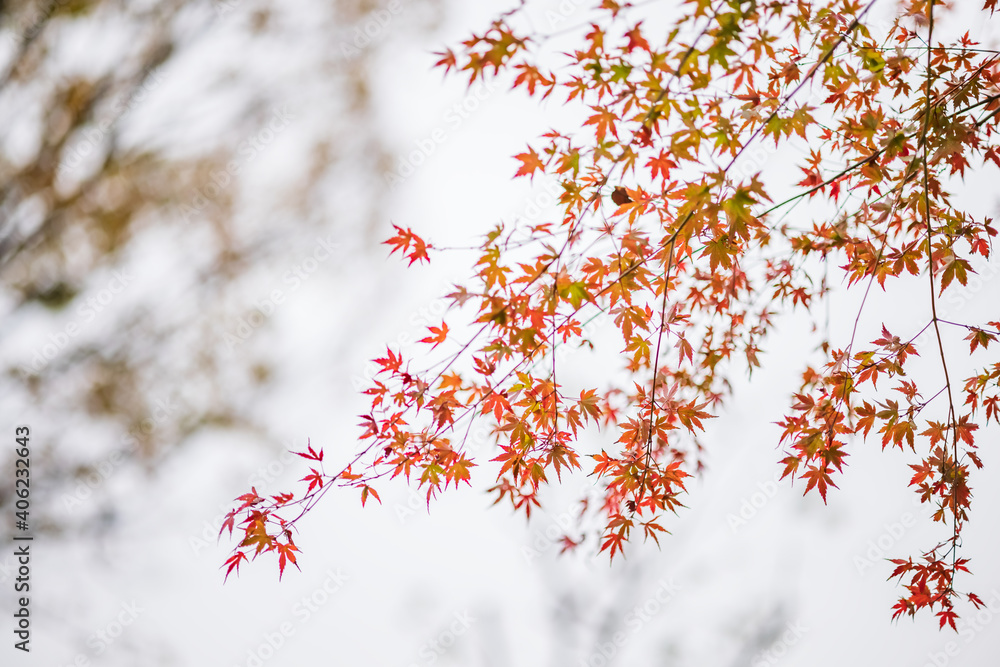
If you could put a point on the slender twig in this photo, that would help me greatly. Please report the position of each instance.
(952, 417)
(969, 327)
(656, 364)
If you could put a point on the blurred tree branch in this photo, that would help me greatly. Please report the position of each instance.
(102, 160)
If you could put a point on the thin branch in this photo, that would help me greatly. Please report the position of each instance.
(656, 364)
(952, 417)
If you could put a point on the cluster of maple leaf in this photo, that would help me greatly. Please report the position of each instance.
(691, 258)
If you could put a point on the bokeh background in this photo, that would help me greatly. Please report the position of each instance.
(192, 199)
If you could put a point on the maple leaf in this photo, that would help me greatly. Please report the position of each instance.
(310, 454)
(249, 499)
(835, 456)
(590, 404)
(605, 462)
(286, 554)
(349, 476)
(948, 616)
(568, 544)
(233, 563)
(448, 60)
(530, 163)
(979, 337)
(819, 478)
(614, 541)
(650, 529)
(315, 480)
(530, 77)
(636, 40)
(228, 522)
(921, 472)
(605, 120)
(811, 180)
(439, 334)
(936, 431)
(408, 244)
(956, 268)
(282, 499)
(791, 465)
(497, 403)
(644, 136)
(365, 491)
(901, 607)
(256, 534)
(459, 471)
(511, 459)
(691, 415)
(661, 165)
(390, 362)
(866, 413)
(964, 429)
(561, 457)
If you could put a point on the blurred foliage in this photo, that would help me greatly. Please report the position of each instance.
(126, 253)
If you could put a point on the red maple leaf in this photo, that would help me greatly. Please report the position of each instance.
(409, 244)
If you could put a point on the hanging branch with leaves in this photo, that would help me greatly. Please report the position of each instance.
(691, 259)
